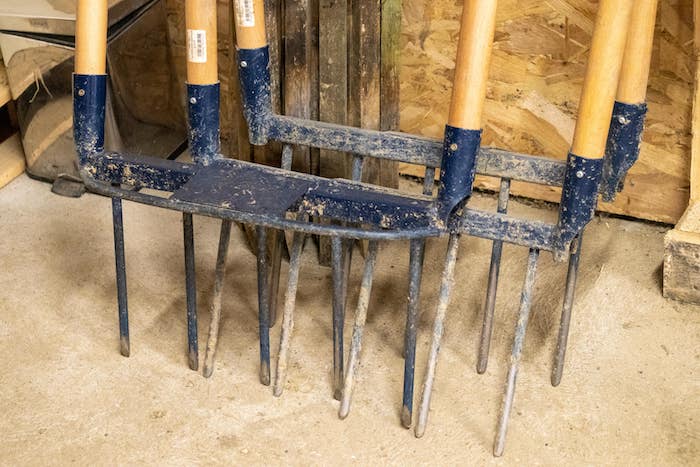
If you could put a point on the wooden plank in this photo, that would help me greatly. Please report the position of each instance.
(364, 74)
(297, 79)
(11, 159)
(389, 112)
(333, 78)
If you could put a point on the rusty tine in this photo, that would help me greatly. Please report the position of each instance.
(494, 269)
(518, 341)
(288, 314)
(358, 329)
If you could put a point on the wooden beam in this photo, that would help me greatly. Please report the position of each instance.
(695, 147)
(11, 159)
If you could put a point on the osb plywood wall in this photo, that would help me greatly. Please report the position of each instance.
(540, 52)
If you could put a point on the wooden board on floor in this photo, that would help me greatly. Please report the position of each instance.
(11, 159)
(540, 52)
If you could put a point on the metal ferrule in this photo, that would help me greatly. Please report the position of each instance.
(458, 167)
(578, 199)
(89, 93)
(622, 149)
(203, 122)
(254, 74)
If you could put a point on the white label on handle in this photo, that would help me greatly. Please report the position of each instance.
(197, 45)
(245, 14)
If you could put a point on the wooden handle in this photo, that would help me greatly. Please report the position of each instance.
(250, 23)
(200, 22)
(602, 78)
(473, 60)
(91, 37)
(640, 41)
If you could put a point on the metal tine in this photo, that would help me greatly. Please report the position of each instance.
(571, 277)
(288, 314)
(120, 264)
(339, 265)
(518, 340)
(191, 290)
(415, 268)
(341, 275)
(278, 245)
(263, 305)
(215, 310)
(494, 270)
(446, 284)
(358, 329)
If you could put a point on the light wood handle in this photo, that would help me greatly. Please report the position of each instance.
(91, 37)
(473, 60)
(602, 78)
(640, 41)
(250, 23)
(202, 51)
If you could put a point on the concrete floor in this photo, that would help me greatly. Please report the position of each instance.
(630, 394)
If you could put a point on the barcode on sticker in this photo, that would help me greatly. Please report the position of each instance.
(197, 45)
(245, 13)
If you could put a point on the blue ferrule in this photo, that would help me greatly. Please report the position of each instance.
(203, 122)
(89, 93)
(578, 199)
(457, 169)
(254, 73)
(622, 149)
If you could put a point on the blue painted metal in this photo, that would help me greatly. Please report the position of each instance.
(458, 168)
(203, 122)
(622, 150)
(254, 75)
(579, 198)
(89, 92)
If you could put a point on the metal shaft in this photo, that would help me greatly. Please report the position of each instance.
(518, 340)
(358, 328)
(415, 274)
(562, 340)
(191, 290)
(120, 263)
(277, 246)
(494, 270)
(263, 305)
(446, 284)
(339, 264)
(288, 314)
(215, 310)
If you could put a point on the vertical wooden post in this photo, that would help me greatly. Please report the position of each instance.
(389, 81)
(695, 148)
(297, 74)
(333, 77)
(365, 74)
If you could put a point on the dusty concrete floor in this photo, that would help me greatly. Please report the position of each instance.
(630, 394)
